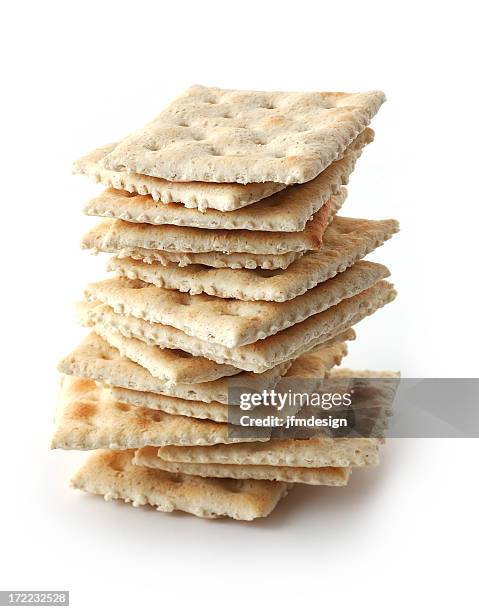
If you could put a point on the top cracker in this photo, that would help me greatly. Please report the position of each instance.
(220, 135)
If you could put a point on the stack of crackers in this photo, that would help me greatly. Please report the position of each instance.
(229, 259)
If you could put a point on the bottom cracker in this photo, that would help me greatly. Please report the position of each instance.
(113, 475)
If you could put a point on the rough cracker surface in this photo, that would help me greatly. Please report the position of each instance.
(120, 235)
(89, 418)
(170, 366)
(95, 359)
(329, 476)
(222, 136)
(313, 453)
(231, 322)
(113, 475)
(316, 364)
(285, 211)
(345, 241)
(235, 261)
(261, 355)
(203, 196)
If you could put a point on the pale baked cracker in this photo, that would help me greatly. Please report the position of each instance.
(345, 241)
(94, 358)
(329, 476)
(312, 453)
(286, 211)
(115, 235)
(232, 322)
(113, 475)
(203, 196)
(88, 418)
(316, 364)
(170, 366)
(315, 452)
(236, 261)
(262, 354)
(222, 136)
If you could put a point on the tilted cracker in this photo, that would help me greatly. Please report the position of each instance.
(315, 452)
(345, 241)
(316, 364)
(203, 196)
(230, 323)
(113, 475)
(312, 453)
(236, 261)
(329, 476)
(217, 135)
(262, 354)
(168, 365)
(89, 418)
(119, 235)
(286, 211)
(94, 358)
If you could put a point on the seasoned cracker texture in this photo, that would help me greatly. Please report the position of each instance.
(231, 323)
(329, 476)
(286, 211)
(260, 355)
(113, 475)
(119, 235)
(223, 136)
(345, 241)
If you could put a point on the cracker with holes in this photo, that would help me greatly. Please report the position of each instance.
(89, 418)
(327, 476)
(113, 236)
(230, 136)
(113, 475)
(261, 355)
(232, 322)
(97, 360)
(203, 196)
(312, 365)
(286, 211)
(169, 366)
(345, 241)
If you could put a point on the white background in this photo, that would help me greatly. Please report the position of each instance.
(78, 75)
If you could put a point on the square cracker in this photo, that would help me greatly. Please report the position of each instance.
(113, 475)
(115, 235)
(203, 196)
(345, 241)
(228, 136)
(232, 322)
(213, 259)
(261, 355)
(94, 358)
(286, 211)
(312, 453)
(316, 365)
(170, 366)
(88, 418)
(329, 476)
